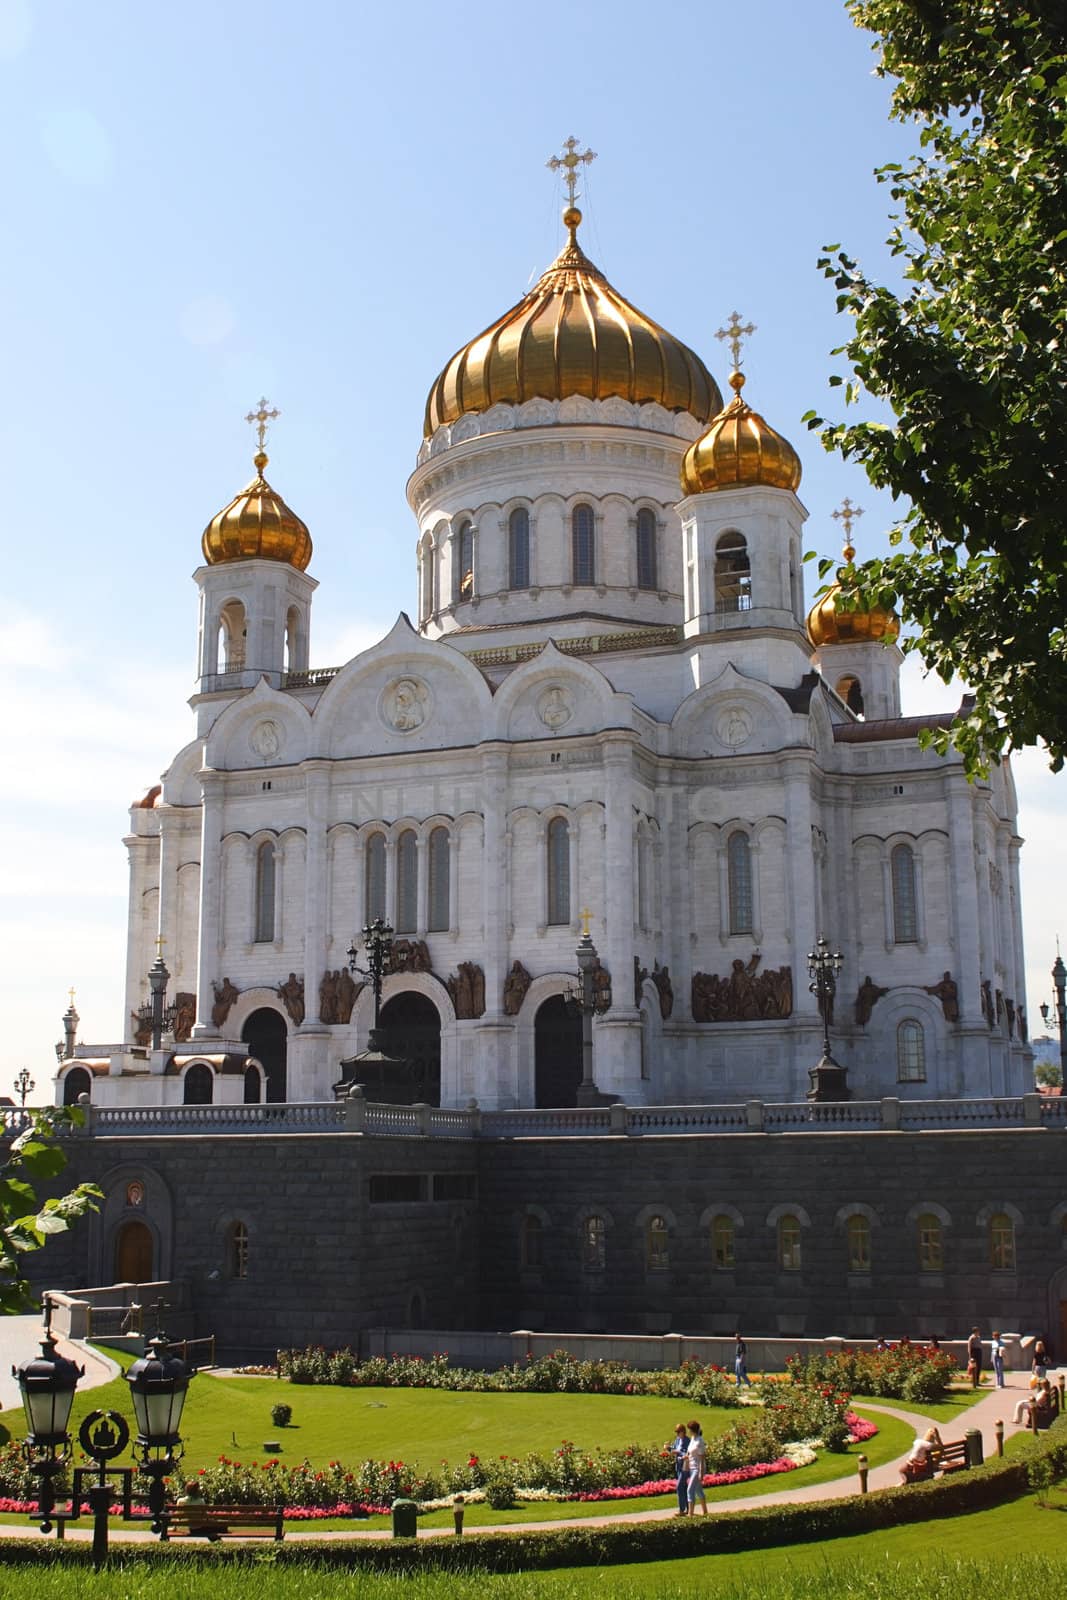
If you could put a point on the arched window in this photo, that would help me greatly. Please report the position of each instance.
(253, 1086)
(931, 1250)
(859, 1243)
(533, 1238)
(439, 874)
(1001, 1242)
(646, 549)
(239, 1250)
(77, 1082)
(265, 873)
(594, 1244)
(739, 879)
(559, 871)
(198, 1085)
(583, 557)
(463, 568)
(733, 574)
(722, 1242)
(657, 1245)
(292, 639)
(911, 1052)
(851, 693)
(426, 595)
(374, 872)
(407, 881)
(519, 549)
(232, 635)
(905, 906)
(789, 1243)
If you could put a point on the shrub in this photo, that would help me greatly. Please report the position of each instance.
(906, 1372)
(281, 1414)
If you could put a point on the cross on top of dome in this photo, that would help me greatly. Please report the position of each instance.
(570, 161)
(262, 418)
(846, 514)
(736, 332)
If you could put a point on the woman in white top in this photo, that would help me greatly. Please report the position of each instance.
(696, 1456)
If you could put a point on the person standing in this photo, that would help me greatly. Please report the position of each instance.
(996, 1348)
(679, 1447)
(696, 1456)
(741, 1361)
(974, 1358)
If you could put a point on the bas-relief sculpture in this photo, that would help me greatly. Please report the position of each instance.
(291, 994)
(410, 955)
(661, 977)
(184, 1017)
(516, 984)
(867, 997)
(467, 991)
(743, 996)
(946, 991)
(338, 993)
(226, 997)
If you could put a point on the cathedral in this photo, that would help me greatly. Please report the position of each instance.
(612, 711)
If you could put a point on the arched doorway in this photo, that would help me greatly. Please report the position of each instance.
(265, 1034)
(557, 1052)
(198, 1085)
(410, 1030)
(76, 1082)
(253, 1086)
(133, 1253)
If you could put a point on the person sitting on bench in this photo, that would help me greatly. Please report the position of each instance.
(922, 1462)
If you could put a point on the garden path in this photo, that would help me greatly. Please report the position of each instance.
(21, 1342)
(997, 1404)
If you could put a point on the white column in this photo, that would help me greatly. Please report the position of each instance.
(965, 900)
(317, 780)
(619, 884)
(212, 784)
(798, 810)
(422, 886)
(494, 873)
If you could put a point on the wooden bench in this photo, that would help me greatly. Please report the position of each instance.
(248, 1522)
(952, 1456)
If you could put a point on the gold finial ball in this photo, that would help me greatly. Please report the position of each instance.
(737, 380)
(572, 217)
(260, 460)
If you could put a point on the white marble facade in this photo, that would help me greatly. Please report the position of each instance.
(603, 735)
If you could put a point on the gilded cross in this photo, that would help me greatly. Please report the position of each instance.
(586, 917)
(262, 417)
(71, 993)
(160, 942)
(571, 160)
(846, 514)
(736, 332)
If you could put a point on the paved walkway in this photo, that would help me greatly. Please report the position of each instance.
(20, 1340)
(995, 1405)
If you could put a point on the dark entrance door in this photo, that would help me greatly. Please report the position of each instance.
(75, 1083)
(410, 1030)
(265, 1035)
(557, 1053)
(133, 1253)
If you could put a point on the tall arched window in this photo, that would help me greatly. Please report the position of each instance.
(426, 583)
(646, 549)
(559, 871)
(232, 635)
(198, 1085)
(789, 1243)
(77, 1082)
(722, 1242)
(239, 1250)
(911, 1052)
(739, 879)
(657, 1245)
(905, 904)
(931, 1250)
(594, 1244)
(292, 639)
(859, 1243)
(1001, 1242)
(407, 882)
(851, 691)
(583, 552)
(463, 568)
(265, 876)
(519, 549)
(533, 1233)
(439, 875)
(733, 573)
(374, 877)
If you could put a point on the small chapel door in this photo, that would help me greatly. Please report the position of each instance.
(557, 1053)
(133, 1253)
(266, 1036)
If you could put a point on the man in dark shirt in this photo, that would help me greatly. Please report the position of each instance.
(974, 1357)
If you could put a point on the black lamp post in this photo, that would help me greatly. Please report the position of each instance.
(158, 1385)
(157, 1015)
(829, 1079)
(588, 959)
(47, 1384)
(1059, 980)
(378, 940)
(24, 1085)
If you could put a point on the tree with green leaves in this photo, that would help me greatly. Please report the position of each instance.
(970, 355)
(32, 1158)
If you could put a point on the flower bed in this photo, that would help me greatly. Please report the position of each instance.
(906, 1372)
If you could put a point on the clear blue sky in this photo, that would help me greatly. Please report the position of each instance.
(213, 201)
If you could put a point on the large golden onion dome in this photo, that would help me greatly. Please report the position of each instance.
(573, 334)
(827, 625)
(739, 450)
(257, 525)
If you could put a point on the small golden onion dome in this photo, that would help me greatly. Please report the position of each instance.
(739, 450)
(573, 334)
(827, 625)
(257, 525)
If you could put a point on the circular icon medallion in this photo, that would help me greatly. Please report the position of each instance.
(734, 727)
(266, 739)
(405, 704)
(554, 708)
(104, 1434)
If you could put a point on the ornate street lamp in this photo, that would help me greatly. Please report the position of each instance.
(157, 1016)
(829, 1079)
(378, 940)
(588, 960)
(158, 1386)
(47, 1384)
(1059, 1008)
(24, 1085)
(374, 1065)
